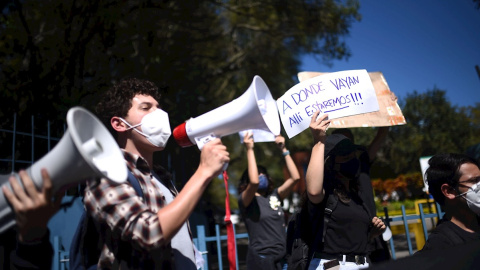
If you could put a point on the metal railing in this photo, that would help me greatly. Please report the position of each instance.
(49, 139)
(405, 218)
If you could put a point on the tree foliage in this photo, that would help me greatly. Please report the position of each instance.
(56, 54)
(433, 126)
(64, 53)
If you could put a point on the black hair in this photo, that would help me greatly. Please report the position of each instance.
(117, 100)
(338, 145)
(445, 169)
(331, 182)
(346, 132)
(245, 180)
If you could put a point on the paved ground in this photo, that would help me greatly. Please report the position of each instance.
(401, 245)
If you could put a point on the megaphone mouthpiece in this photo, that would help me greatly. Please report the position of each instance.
(180, 135)
(92, 147)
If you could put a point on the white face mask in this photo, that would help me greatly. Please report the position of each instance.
(155, 127)
(472, 196)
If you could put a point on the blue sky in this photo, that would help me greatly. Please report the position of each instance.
(417, 45)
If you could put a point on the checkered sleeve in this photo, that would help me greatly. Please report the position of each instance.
(125, 213)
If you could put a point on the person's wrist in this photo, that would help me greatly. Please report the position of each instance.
(32, 235)
(319, 143)
(285, 152)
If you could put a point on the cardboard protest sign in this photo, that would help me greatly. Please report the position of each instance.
(339, 94)
(259, 135)
(389, 113)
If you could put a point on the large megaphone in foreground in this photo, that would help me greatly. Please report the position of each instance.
(255, 109)
(87, 150)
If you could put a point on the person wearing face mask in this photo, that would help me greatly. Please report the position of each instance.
(340, 223)
(378, 248)
(454, 182)
(260, 205)
(149, 230)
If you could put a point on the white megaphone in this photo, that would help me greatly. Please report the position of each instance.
(87, 150)
(255, 109)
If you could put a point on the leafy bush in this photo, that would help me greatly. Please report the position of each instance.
(404, 186)
(395, 207)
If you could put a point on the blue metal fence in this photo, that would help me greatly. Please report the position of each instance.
(405, 218)
(201, 243)
(48, 138)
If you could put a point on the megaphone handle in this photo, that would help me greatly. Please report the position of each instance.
(225, 166)
(201, 141)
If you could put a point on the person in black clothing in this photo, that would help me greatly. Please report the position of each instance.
(333, 171)
(33, 209)
(453, 181)
(378, 248)
(463, 256)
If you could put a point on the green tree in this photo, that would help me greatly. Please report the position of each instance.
(56, 54)
(65, 52)
(433, 126)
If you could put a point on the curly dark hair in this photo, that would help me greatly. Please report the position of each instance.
(445, 169)
(117, 100)
(245, 180)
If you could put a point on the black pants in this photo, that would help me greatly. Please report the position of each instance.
(255, 261)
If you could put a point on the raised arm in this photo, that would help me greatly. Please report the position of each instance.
(249, 193)
(212, 158)
(287, 186)
(377, 142)
(315, 171)
(147, 229)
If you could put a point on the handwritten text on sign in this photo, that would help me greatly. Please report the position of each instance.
(339, 94)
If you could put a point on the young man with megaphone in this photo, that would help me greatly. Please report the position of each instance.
(149, 232)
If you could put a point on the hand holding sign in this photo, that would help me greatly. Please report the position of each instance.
(318, 126)
(339, 94)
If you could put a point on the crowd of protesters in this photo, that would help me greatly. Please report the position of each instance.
(337, 217)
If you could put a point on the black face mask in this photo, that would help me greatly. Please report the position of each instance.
(349, 169)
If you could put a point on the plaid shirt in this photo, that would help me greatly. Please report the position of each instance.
(128, 223)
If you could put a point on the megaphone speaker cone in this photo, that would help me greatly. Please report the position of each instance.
(87, 150)
(255, 109)
(96, 145)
